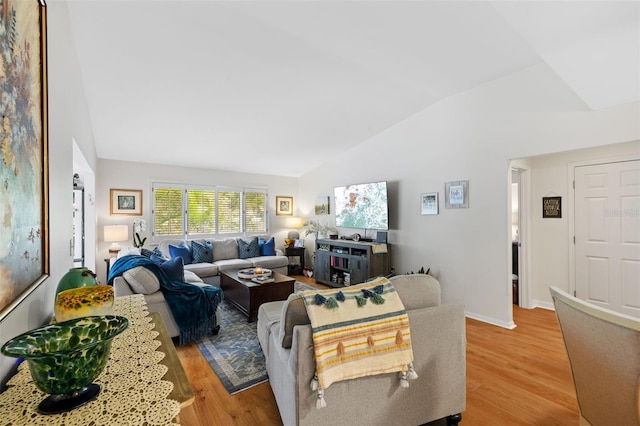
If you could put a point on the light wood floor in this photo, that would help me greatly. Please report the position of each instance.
(514, 377)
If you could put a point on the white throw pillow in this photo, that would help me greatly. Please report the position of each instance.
(141, 280)
(128, 250)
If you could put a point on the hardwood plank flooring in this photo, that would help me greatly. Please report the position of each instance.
(514, 377)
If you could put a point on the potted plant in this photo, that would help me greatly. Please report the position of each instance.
(318, 229)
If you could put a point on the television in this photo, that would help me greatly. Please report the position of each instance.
(362, 206)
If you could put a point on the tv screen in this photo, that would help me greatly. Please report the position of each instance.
(362, 206)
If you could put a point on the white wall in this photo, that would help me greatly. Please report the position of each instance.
(67, 120)
(470, 136)
(130, 175)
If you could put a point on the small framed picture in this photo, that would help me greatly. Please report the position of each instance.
(322, 205)
(456, 194)
(298, 243)
(126, 202)
(429, 203)
(284, 206)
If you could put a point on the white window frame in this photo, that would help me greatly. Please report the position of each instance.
(217, 234)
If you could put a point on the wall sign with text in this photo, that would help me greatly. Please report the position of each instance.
(552, 207)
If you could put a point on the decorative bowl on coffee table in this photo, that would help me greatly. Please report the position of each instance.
(66, 357)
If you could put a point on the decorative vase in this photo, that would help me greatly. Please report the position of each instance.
(84, 302)
(65, 358)
(76, 277)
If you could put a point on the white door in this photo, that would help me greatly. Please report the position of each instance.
(607, 235)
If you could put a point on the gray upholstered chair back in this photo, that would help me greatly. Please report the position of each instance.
(604, 352)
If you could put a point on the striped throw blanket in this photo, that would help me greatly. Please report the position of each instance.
(358, 331)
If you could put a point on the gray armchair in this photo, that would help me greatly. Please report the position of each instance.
(604, 352)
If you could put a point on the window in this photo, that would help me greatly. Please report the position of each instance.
(181, 211)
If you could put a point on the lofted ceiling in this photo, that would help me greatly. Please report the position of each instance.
(280, 87)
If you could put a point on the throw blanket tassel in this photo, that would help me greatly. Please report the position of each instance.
(320, 402)
(314, 383)
(404, 383)
(412, 372)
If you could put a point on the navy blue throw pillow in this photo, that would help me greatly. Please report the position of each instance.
(267, 247)
(174, 268)
(183, 251)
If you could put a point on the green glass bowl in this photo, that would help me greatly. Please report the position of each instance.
(65, 357)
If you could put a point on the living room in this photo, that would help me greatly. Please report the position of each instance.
(530, 120)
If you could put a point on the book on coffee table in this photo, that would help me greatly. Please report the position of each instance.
(262, 279)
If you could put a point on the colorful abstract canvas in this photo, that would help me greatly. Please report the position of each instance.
(23, 191)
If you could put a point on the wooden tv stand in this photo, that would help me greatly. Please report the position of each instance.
(344, 262)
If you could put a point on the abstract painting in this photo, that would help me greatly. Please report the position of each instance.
(24, 233)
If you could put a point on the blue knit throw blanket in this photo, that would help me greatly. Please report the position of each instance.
(193, 307)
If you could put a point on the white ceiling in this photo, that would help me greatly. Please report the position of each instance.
(280, 87)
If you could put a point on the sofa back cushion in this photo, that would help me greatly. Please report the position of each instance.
(417, 290)
(225, 249)
(293, 313)
(141, 280)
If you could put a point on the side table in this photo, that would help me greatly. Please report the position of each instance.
(296, 260)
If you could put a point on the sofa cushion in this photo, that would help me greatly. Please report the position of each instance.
(271, 262)
(191, 278)
(230, 264)
(267, 247)
(201, 251)
(202, 269)
(141, 280)
(248, 249)
(183, 251)
(174, 268)
(225, 249)
(293, 313)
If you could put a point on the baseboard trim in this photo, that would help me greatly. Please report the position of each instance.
(508, 325)
(542, 304)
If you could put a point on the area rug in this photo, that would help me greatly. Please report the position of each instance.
(234, 353)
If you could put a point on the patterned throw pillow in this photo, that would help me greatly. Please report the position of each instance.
(249, 249)
(267, 247)
(202, 251)
(146, 252)
(183, 251)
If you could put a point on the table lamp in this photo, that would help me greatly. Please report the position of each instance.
(114, 234)
(295, 223)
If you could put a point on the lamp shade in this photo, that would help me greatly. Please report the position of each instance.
(294, 222)
(116, 233)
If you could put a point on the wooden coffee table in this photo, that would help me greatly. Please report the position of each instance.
(247, 295)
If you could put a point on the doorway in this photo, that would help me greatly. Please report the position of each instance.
(519, 228)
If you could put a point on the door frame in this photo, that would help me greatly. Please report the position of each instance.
(571, 168)
(524, 226)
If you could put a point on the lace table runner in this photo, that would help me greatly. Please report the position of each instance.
(133, 392)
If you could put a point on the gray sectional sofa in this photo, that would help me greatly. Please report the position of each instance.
(439, 344)
(226, 257)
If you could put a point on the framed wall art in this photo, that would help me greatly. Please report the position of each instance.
(456, 194)
(322, 205)
(429, 203)
(284, 206)
(24, 228)
(126, 202)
